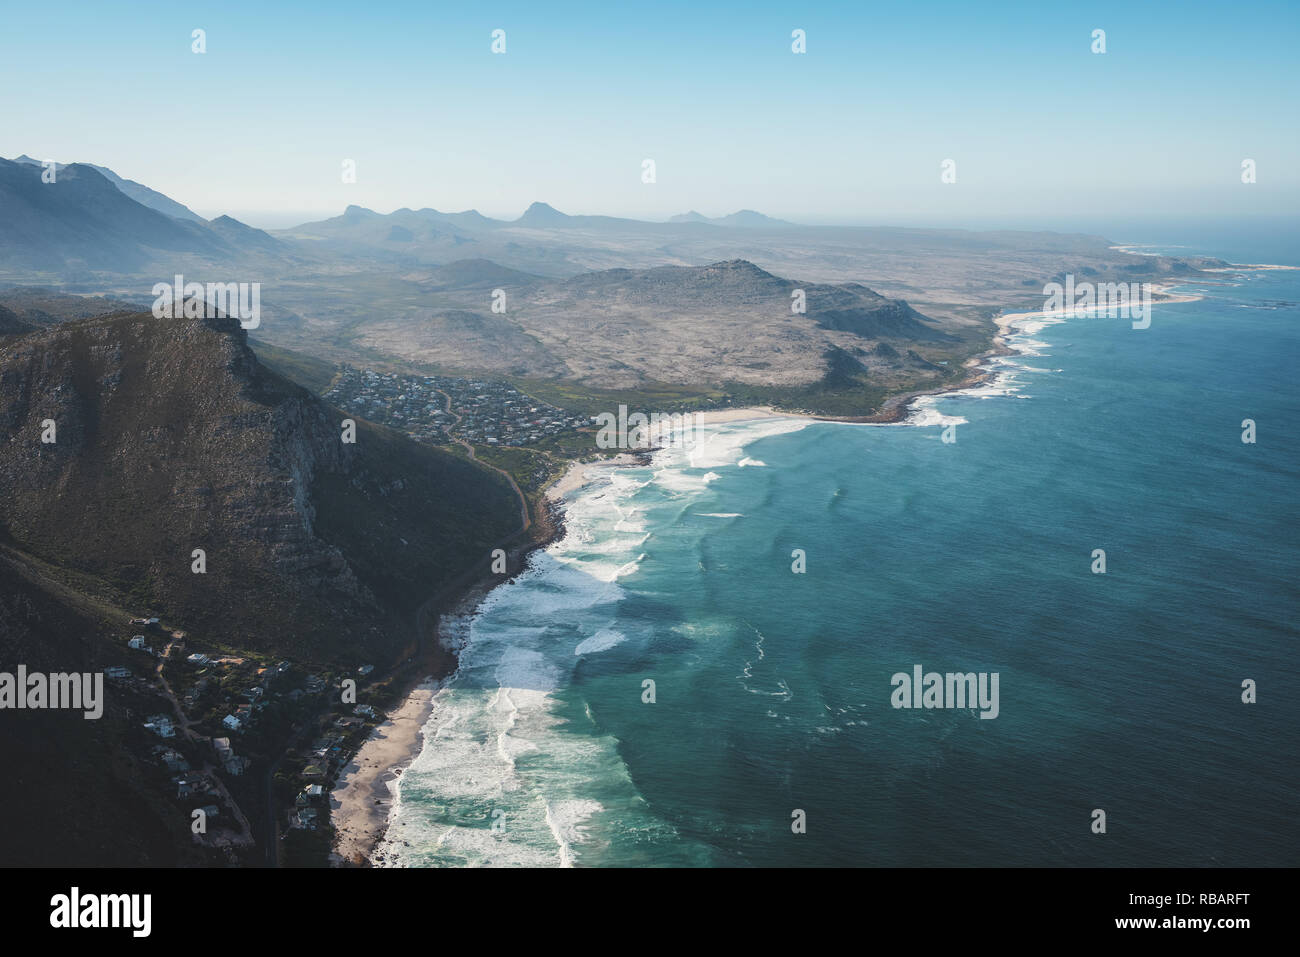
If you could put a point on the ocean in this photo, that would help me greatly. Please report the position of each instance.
(772, 738)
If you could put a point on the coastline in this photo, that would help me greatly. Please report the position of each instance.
(573, 477)
(363, 796)
(365, 793)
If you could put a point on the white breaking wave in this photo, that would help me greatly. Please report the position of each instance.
(723, 444)
(504, 779)
(602, 640)
(565, 819)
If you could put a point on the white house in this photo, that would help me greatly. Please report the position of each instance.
(161, 725)
(231, 722)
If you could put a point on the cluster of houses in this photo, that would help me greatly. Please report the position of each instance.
(405, 403)
(243, 710)
(492, 413)
(191, 784)
(238, 710)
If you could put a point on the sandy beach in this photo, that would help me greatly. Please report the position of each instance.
(1162, 291)
(748, 414)
(362, 799)
(576, 475)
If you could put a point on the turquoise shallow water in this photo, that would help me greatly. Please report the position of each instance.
(1119, 691)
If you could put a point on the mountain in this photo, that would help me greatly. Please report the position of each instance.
(729, 321)
(83, 220)
(954, 276)
(140, 193)
(742, 219)
(543, 215)
(589, 299)
(466, 274)
(244, 237)
(171, 436)
(470, 219)
(402, 233)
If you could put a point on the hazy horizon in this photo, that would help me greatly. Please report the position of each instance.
(852, 131)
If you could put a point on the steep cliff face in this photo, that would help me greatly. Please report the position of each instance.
(169, 436)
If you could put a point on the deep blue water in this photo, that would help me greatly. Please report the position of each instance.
(1118, 691)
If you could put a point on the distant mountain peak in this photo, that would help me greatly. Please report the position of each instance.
(542, 214)
(740, 266)
(746, 218)
(243, 234)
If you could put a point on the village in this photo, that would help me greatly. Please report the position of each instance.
(482, 411)
(232, 718)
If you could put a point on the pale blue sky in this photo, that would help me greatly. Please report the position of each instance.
(1043, 131)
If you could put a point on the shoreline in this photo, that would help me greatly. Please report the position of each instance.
(573, 477)
(363, 796)
(365, 793)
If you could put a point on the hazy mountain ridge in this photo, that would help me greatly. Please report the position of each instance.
(137, 191)
(588, 299)
(747, 218)
(84, 222)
